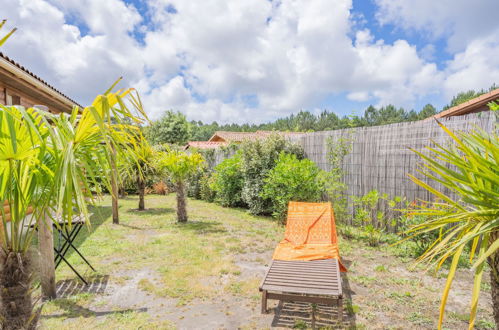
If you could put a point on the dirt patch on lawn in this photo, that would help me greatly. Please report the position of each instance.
(157, 274)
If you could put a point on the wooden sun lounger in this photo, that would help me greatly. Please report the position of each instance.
(316, 281)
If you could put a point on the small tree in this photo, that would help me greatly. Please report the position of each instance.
(179, 166)
(171, 128)
(138, 167)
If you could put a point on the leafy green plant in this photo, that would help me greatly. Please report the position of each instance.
(469, 216)
(139, 167)
(335, 186)
(205, 190)
(171, 128)
(179, 166)
(292, 179)
(371, 218)
(228, 181)
(259, 157)
(49, 165)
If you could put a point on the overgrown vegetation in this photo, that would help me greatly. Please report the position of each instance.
(228, 181)
(291, 179)
(257, 159)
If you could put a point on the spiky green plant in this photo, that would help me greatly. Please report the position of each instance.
(468, 217)
(49, 164)
(179, 166)
(138, 167)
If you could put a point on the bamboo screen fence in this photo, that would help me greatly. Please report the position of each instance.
(380, 157)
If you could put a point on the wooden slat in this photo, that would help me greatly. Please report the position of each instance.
(301, 283)
(318, 277)
(287, 289)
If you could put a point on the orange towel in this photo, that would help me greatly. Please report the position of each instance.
(310, 234)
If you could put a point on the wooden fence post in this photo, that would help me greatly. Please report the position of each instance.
(47, 265)
(114, 187)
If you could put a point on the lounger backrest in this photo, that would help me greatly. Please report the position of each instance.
(310, 223)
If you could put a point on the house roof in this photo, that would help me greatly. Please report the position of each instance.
(474, 105)
(38, 83)
(243, 136)
(204, 144)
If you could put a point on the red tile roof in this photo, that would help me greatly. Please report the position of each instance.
(243, 136)
(473, 105)
(204, 144)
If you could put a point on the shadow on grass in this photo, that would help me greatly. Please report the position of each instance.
(311, 316)
(73, 310)
(151, 211)
(96, 284)
(202, 227)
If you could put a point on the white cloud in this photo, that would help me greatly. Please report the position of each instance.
(476, 67)
(471, 32)
(208, 58)
(460, 21)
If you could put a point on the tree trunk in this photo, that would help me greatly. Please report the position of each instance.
(114, 188)
(142, 189)
(493, 261)
(181, 202)
(16, 307)
(47, 265)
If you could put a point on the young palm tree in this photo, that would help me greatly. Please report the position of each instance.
(471, 219)
(138, 167)
(49, 164)
(179, 166)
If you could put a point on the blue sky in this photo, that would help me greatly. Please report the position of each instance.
(258, 60)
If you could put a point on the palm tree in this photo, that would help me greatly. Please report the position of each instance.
(469, 216)
(138, 167)
(50, 164)
(179, 166)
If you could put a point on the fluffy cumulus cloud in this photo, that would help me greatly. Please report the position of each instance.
(470, 31)
(246, 60)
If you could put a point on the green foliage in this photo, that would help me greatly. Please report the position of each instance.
(466, 96)
(374, 221)
(421, 242)
(5, 37)
(179, 165)
(140, 165)
(257, 159)
(228, 181)
(206, 192)
(171, 128)
(333, 179)
(292, 179)
(305, 121)
(51, 162)
(194, 183)
(468, 220)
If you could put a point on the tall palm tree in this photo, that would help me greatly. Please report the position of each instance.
(50, 164)
(469, 217)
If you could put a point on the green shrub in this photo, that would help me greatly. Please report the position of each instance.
(374, 221)
(205, 191)
(292, 179)
(228, 182)
(336, 188)
(194, 183)
(257, 159)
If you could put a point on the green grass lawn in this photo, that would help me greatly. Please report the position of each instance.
(153, 273)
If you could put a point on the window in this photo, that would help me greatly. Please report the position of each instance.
(13, 99)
